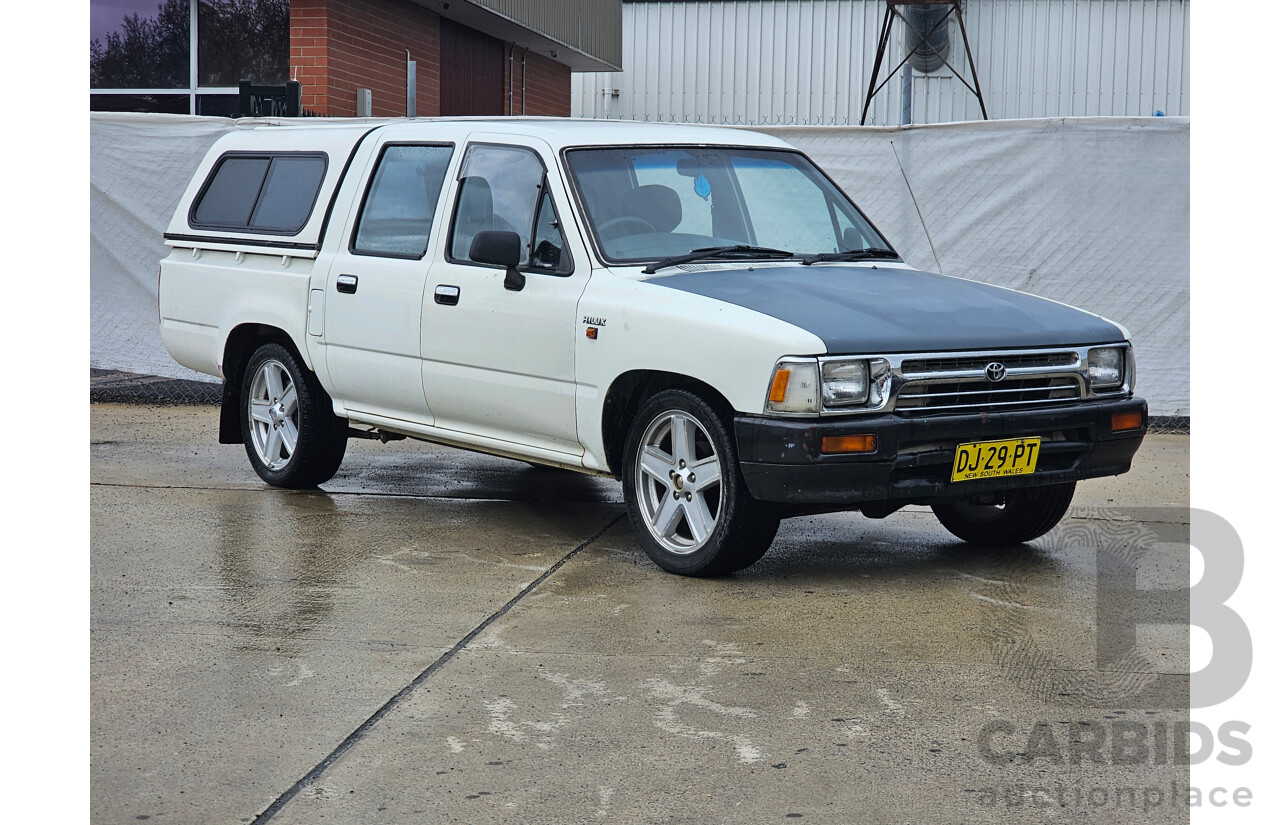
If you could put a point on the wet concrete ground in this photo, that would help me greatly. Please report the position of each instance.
(440, 636)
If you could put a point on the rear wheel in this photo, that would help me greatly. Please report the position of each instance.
(1010, 517)
(686, 498)
(290, 432)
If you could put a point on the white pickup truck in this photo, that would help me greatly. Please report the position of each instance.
(700, 312)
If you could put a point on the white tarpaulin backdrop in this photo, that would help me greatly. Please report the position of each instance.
(1093, 212)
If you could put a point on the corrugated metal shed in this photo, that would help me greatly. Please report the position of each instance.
(809, 62)
(590, 30)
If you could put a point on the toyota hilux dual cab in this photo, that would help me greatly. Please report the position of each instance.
(698, 312)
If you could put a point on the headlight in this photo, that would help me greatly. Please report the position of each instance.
(817, 385)
(844, 383)
(1106, 367)
(794, 387)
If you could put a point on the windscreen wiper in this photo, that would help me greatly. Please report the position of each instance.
(717, 252)
(849, 255)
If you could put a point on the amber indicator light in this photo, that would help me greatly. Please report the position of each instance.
(1120, 422)
(593, 333)
(778, 392)
(849, 444)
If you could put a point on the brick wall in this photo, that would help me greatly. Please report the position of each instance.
(547, 84)
(339, 46)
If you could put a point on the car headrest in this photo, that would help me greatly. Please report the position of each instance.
(657, 204)
(476, 202)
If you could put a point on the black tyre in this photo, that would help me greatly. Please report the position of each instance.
(290, 432)
(1006, 518)
(686, 498)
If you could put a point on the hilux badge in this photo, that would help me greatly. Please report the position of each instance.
(995, 372)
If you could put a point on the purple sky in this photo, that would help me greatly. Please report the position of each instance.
(105, 15)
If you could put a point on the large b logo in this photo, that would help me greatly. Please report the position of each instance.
(1143, 581)
(1223, 552)
(1124, 606)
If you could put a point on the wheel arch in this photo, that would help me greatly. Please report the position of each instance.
(240, 346)
(630, 390)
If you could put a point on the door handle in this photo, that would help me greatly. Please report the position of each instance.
(448, 295)
(348, 284)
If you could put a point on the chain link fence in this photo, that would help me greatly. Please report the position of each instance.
(113, 387)
(1170, 424)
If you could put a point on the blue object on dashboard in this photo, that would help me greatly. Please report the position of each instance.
(702, 187)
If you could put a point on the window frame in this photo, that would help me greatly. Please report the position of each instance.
(544, 189)
(565, 269)
(247, 228)
(368, 190)
(193, 91)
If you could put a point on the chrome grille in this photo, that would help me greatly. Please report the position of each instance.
(970, 363)
(925, 383)
(942, 394)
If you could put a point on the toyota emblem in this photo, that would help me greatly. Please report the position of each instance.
(995, 372)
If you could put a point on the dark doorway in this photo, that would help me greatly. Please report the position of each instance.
(471, 71)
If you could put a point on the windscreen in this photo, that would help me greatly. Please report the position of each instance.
(650, 202)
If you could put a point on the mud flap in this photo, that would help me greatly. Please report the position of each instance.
(229, 431)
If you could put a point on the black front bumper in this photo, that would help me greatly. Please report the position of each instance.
(782, 459)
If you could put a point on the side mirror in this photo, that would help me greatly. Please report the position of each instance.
(500, 248)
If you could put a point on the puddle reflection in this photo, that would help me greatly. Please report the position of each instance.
(479, 477)
(280, 566)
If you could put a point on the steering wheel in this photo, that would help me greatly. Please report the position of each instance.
(611, 227)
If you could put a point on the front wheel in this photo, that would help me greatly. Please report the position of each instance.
(290, 432)
(686, 498)
(1010, 517)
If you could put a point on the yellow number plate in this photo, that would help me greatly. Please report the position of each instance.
(993, 459)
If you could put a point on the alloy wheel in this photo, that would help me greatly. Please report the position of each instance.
(678, 481)
(273, 414)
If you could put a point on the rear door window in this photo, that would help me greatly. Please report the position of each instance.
(395, 220)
